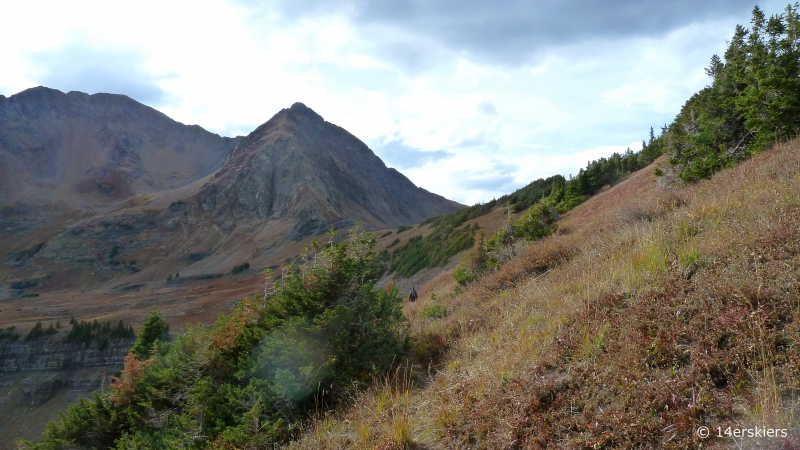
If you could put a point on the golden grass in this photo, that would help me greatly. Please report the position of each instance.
(651, 313)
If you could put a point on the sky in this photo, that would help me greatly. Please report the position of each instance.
(470, 99)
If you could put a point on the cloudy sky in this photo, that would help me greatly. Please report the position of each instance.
(470, 99)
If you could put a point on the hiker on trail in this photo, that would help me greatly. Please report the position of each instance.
(413, 295)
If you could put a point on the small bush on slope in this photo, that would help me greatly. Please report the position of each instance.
(250, 379)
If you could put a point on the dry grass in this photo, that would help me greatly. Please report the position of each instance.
(653, 313)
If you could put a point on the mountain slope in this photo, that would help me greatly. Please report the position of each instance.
(96, 150)
(653, 312)
(290, 179)
(300, 168)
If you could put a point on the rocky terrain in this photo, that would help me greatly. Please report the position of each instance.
(92, 151)
(39, 377)
(298, 166)
(54, 354)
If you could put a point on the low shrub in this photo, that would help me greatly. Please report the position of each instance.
(10, 334)
(435, 311)
(240, 268)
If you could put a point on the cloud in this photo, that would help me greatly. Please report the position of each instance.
(81, 66)
(511, 32)
(487, 107)
(492, 182)
(402, 156)
(468, 178)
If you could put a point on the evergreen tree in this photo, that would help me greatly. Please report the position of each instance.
(154, 329)
(753, 101)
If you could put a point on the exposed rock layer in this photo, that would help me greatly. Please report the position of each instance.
(53, 354)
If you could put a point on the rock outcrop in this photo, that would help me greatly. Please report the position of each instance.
(39, 378)
(53, 355)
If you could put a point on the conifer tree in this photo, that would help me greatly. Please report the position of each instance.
(154, 329)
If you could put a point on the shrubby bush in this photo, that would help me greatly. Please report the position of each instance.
(240, 268)
(434, 311)
(253, 377)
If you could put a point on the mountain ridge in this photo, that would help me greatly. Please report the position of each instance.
(122, 221)
(299, 165)
(93, 151)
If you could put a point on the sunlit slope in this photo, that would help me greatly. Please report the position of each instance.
(650, 313)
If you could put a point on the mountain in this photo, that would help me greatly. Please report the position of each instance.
(92, 151)
(299, 167)
(101, 191)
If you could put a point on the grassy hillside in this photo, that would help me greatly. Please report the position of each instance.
(450, 233)
(651, 313)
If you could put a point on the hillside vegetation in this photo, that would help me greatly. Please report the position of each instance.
(257, 373)
(540, 203)
(651, 313)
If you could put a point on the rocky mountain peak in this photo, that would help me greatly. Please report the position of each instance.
(299, 167)
(301, 109)
(163, 196)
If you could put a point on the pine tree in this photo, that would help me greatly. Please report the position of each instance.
(154, 329)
